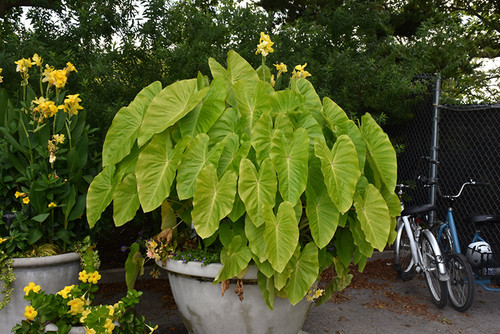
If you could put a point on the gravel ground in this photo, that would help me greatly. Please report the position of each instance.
(375, 302)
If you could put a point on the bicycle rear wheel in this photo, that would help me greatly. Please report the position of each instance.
(437, 288)
(445, 241)
(461, 286)
(403, 260)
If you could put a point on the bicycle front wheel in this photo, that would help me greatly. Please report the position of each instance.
(461, 287)
(403, 260)
(444, 240)
(437, 288)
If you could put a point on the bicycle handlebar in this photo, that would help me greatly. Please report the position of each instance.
(468, 183)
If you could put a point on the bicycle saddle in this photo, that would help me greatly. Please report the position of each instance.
(483, 219)
(418, 209)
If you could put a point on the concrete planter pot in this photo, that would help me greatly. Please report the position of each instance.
(52, 273)
(204, 310)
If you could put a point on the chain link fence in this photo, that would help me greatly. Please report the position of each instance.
(468, 148)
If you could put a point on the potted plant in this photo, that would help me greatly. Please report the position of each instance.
(279, 178)
(70, 310)
(43, 152)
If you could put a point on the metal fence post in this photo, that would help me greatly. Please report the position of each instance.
(434, 143)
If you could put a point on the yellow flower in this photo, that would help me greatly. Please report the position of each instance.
(273, 82)
(281, 68)
(1, 78)
(19, 194)
(45, 107)
(29, 312)
(71, 104)
(2, 240)
(76, 306)
(26, 200)
(59, 139)
(265, 45)
(89, 330)
(70, 67)
(83, 276)
(111, 310)
(94, 277)
(52, 205)
(84, 315)
(37, 60)
(299, 72)
(109, 325)
(23, 65)
(54, 77)
(31, 287)
(152, 329)
(64, 292)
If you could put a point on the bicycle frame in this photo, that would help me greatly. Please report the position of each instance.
(416, 254)
(450, 223)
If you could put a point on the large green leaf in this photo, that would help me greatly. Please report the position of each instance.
(333, 114)
(381, 154)
(290, 159)
(312, 103)
(252, 100)
(373, 215)
(303, 274)
(201, 118)
(261, 137)
(266, 286)
(281, 235)
(323, 215)
(100, 193)
(340, 169)
(352, 131)
(194, 159)
(125, 200)
(232, 153)
(212, 200)
(364, 247)
(225, 125)
(155, 169)
(235, 260)
(255, 240)
(169, 106)
(239, 69)
(257, 189)
(285, 101)
(124, 129)
(344, 246)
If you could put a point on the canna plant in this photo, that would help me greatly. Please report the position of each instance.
(282, 179)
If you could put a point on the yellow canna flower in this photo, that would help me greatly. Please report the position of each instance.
(265, 45)
(72, 104)
(70, 67)
(23, 65)
(281, 68)
(52, 205)
(94, 277)
(37, 60)
(299, 72)
(26, 200)
(64, 292)
(45, 107)
(31, 287)
(59, 139)
(30, 313)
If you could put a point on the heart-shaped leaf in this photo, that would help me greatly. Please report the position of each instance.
(212, 200)
(235, 260)
(261, 137)
(373, 215)
(100, 193)
(281, 235)
(124, 129)
(340, 169)
(126, 200)
(155, 169)
(290, 159)
(303, 274)
(257, 189)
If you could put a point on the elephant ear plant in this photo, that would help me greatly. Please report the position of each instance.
(286, 181)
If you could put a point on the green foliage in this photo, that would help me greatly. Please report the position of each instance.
(293, 161)
(43, 154)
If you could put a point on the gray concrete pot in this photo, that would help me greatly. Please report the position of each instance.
(204, 310)
(52, 273)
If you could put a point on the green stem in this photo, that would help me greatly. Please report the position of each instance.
(263, 68)
(67, 123)
(29, 142)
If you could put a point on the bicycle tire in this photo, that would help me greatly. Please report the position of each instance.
(403, 259)
(437, 288)
(445, 242)
(461, 286)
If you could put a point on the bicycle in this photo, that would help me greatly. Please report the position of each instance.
(416, 250)
(461, 287)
